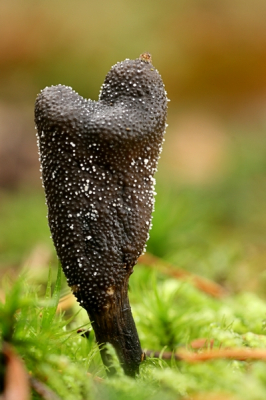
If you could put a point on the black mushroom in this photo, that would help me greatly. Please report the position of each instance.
(98, 159)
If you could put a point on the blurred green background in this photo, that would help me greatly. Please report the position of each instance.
(211, 205)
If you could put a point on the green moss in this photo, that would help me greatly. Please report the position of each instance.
(169, 314)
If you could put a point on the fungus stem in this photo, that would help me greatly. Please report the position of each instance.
(115, 325)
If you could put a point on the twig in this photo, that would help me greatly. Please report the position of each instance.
(239, 354)
(205, 285)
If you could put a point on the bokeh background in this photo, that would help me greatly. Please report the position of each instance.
(211, 206)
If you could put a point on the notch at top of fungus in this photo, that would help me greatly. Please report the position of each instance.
(98, 159)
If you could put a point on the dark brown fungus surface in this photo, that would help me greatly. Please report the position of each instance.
(98, 159)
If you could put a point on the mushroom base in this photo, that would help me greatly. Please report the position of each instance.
(114, 324)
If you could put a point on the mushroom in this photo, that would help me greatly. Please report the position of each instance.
(98, 159)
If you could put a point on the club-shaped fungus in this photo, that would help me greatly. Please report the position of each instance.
(98, 159)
